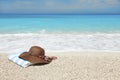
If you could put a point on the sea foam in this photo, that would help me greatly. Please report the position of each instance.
(12, 43)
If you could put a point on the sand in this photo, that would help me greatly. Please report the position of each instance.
(68, 66)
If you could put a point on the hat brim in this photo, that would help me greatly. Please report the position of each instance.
(33, 59)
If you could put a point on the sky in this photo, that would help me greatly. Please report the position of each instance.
(60, 6)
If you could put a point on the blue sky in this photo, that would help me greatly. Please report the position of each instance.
(60, 6)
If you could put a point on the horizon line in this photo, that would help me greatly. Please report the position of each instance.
(59, 14)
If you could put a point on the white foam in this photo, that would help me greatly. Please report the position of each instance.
(12, 43)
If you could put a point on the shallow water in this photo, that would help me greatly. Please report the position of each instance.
(60, 32)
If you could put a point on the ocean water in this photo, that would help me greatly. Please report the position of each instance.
(60, 32)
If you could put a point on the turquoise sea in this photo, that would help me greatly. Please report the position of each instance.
(59, 23)
(60, 32)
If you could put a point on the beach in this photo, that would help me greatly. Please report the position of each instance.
(84, 35)
(89, 65)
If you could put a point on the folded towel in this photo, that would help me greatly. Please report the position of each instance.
(15, 58)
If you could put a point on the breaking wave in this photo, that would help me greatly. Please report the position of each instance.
(12, 43)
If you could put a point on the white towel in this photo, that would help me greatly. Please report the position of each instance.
(15, 58)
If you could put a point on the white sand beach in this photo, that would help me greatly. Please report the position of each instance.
(68, 66)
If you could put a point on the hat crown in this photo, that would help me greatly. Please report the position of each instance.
(36, 51)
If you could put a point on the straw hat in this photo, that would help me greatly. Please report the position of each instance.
(36, 51)
(35, 55)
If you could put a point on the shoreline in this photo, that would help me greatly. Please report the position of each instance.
(72, 52)
(68, 66)
(60, 42)
(44, 32)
